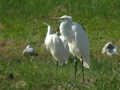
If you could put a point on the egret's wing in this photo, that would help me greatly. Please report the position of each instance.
(59, 48)
(75, 36)
(81, 43)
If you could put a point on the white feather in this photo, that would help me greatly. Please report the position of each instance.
(77, 39)
(109, 51)
(56, 47)
(28, 50)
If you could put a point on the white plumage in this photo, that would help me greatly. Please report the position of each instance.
(29, 51)
(65, 43)
(56, 47)
(77, 39)
(109, 49)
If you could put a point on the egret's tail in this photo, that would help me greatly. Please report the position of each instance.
(86, 62)
(86, 65)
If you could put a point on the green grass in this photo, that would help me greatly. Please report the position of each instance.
(21, 23)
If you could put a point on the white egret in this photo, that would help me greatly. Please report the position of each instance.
(56, 47)
(77, 40)
(109, 49)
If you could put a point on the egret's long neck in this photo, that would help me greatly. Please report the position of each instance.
(49, 30)
(66, 25)
(66, 30)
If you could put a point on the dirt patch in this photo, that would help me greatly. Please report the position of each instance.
(2, 27)
(10, 49)
(19, 84)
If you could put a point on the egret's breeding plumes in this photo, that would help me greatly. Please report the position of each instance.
(109, 49)
(29, 51)
(56, 47)
(77, 41)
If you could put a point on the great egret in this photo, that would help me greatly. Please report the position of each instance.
(77, 40)
(109, 49)
(56, 47)
(29, 51)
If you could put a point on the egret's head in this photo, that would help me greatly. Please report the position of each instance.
(64, 18)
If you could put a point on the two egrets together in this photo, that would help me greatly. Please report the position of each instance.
(73, 39)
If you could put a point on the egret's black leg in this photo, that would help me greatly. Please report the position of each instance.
(75, 67)
(62, 67)
(57, 65)
(83, 70)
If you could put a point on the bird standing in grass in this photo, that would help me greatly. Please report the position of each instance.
(77, 40)
(109, 49)
(29, 51)
(56, 47)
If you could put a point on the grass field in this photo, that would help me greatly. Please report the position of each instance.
(21, 23)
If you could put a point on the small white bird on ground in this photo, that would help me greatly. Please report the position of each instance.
(77, 40)
(56, 47)
(29, 51)
(109, 49)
